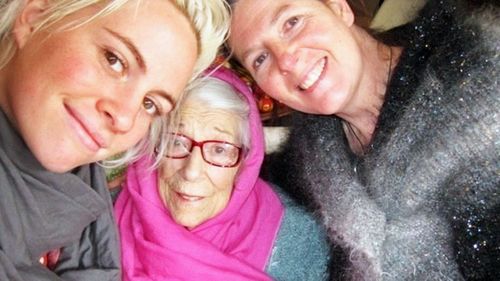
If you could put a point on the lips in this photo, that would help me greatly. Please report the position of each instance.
(189, 198)
(87, 135)
(313, 76)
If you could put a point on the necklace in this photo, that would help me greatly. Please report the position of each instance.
(347, 125)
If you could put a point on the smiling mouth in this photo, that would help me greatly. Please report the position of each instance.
(189, 198)
(313, 76)
(87, 137)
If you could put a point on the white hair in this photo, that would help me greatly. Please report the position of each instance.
(214, 94)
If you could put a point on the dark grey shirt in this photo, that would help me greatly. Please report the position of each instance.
(41, 211)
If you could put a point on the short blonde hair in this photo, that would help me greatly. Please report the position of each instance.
(209, 19)
(57, 10)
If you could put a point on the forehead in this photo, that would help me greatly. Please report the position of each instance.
(164, 37)
(243, 21)
(247, 27)
(197, 119)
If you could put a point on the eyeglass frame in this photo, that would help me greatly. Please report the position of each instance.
(200, 145)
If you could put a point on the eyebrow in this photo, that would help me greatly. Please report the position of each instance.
(273, 21)
(167, 96)
(131, 46)
(278, 13)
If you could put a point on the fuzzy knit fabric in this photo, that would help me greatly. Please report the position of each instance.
(68, 215)
(423, 203)
(301, 250)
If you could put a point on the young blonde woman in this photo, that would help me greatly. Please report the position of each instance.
(79, 82)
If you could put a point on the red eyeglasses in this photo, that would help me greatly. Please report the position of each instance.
(214, 152)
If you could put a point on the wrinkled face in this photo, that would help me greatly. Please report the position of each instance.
(193, 190)
(300, 52)
(84, 94)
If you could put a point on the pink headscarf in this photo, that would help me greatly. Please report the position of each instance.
(234, 245)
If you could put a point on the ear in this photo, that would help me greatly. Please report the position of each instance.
(24, 25)
(342, 9)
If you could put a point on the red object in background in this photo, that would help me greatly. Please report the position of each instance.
(268, 107)
(264, 102)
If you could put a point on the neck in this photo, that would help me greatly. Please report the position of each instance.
(360, 118)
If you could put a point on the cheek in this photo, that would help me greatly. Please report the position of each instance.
(69, 74)
(224, 181)
(166, 185)
(273, 84)
(76, 71)
(170, 168)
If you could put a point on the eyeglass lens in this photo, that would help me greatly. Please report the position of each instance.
(214, 152)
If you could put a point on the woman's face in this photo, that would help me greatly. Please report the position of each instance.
(84, 94)
(300, 52)
(193, 190)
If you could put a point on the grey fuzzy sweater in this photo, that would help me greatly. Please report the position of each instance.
(423, 203)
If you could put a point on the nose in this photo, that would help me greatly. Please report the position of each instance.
(194, 165)
(286, 56)
(120, 110)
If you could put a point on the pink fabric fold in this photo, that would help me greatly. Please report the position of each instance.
(234, 245)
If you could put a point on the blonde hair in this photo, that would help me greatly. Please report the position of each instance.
(209, 20)
(57, 10)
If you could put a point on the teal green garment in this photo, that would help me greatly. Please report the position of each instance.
(301, 251)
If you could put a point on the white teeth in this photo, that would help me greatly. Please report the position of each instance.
(313, 75)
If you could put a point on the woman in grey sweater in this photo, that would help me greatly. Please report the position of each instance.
(401, 155)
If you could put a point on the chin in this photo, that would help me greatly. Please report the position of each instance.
(189, 225)
(56, 165)
(55, 157)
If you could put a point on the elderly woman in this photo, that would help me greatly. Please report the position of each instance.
(79, 82)
(400, 146)
(206, 214)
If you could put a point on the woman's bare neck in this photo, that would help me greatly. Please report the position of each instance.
(360, 118)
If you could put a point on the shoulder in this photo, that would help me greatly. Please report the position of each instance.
(301, 250)
(456, 30)
(289, 167)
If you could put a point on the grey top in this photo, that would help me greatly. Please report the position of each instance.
(42, 211)
(423, 202)
(301, 251)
